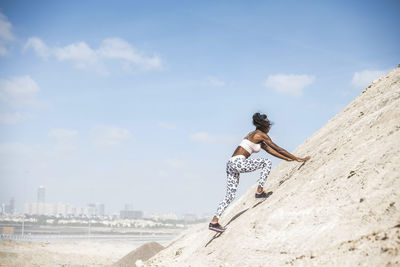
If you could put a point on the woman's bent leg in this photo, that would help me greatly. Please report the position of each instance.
(249, 165)
(232, 184)
(266, 169)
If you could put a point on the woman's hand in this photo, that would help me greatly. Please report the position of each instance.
(303, 159)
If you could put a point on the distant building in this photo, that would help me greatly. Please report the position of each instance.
(97, 209)
(128, 207)
(9, 208)
(71, 210)
(12, 205)
(170, 216)
(57, 209)
(60, 209)
(40, 208)
(130, 214)
(41, 193)
(165, 216)
(101, 209)
(92, 209)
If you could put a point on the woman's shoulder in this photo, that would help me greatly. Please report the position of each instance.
(260, 135)
(257, 136)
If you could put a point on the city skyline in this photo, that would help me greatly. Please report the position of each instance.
(41, 207)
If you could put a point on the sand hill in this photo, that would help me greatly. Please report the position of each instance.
(342, 208)
(140, 254)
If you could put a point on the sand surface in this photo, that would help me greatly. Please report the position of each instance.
(71, 253)
(342, 208)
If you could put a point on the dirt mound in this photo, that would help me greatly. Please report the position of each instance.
(341, 208)
(142, 253)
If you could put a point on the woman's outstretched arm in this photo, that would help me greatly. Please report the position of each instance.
(274, 152)
(282, 151)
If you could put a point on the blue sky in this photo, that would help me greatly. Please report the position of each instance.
(129, 102)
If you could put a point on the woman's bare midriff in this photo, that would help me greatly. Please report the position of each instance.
(241, 151)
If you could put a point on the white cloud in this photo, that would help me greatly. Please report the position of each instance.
(85, 57)
(215, 82)
(166, 125)
(363, 78)
(38, 46)
(110, 137)
(289, 84)
(13, 118)
(64, 139)
(81, 55)
(117, 48)
(19, 92)
(6, 35)
(206, 138)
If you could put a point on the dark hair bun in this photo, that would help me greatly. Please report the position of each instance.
(261, 121)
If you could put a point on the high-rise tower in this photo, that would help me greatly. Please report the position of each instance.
(41, 192)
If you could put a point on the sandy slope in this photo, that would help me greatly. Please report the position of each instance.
(342, 208)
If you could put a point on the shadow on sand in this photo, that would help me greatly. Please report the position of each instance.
(301, 166)
(237, 216)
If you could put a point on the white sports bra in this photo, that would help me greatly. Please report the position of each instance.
(250, 146)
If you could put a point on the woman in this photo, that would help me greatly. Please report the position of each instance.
(240, 163)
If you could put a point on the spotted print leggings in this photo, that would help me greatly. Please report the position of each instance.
(237, 165)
